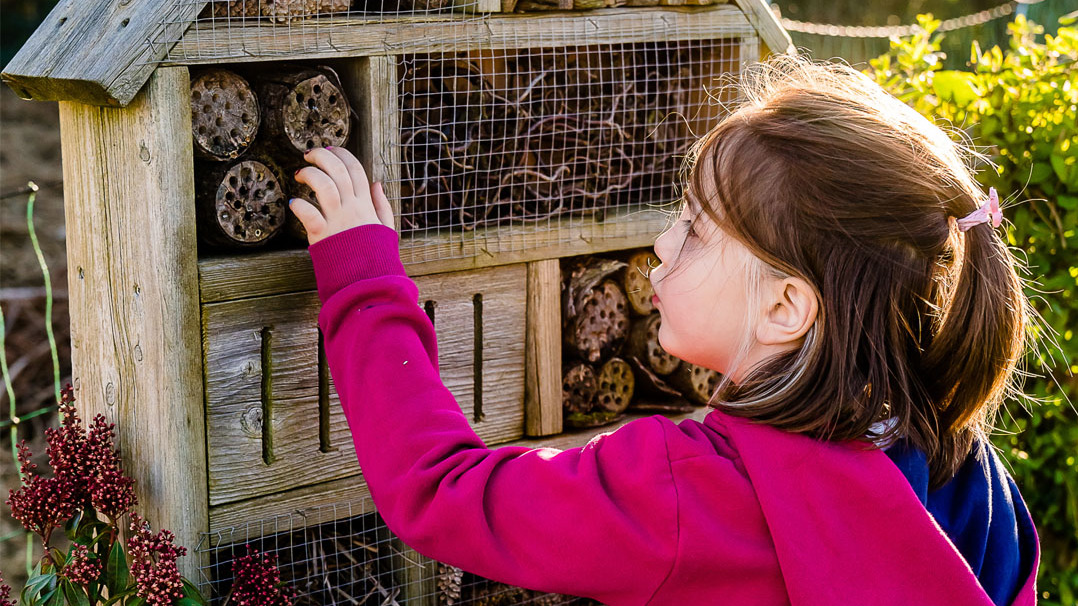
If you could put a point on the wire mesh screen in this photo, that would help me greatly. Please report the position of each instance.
(504, 150)
(344, 554)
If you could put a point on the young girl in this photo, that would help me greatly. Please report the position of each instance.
(837, 262)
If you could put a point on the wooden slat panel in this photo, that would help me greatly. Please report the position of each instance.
(224, 42)
(99, 53)
(240, 400)
(132, 286)
(277, 272)
(353, 490)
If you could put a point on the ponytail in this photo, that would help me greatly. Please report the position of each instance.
(970, 361)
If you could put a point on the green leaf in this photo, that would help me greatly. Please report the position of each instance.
(71, 529)
(56, 599)
(75, 595)
(38, 588)
(117, 574)
(960, 87)
(137, 601)
(1068, 202)
(192, 592)
(117, 598)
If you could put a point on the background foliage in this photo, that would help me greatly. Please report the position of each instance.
(1018, 106)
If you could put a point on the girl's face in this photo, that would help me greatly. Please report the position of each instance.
(702, 289)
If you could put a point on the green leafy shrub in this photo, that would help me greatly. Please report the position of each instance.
(1018, 107)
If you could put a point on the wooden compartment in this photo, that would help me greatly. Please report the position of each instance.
(274, 421)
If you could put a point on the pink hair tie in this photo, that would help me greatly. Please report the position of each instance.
(989, 211)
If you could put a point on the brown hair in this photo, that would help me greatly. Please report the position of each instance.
(825, 176)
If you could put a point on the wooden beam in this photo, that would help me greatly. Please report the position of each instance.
(133, 288)
(542, 377)
(277, 272)
(352, 496)
(772, 35)
(98, 53)
(372, 83)
(350, 37)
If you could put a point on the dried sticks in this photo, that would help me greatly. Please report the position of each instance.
(249, 138)
(497, 137)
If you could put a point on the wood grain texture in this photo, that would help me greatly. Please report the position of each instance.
(772, 35)
(542, 378)
(222, 42)
(229, 277)
(133, 287)
(241, 402)
(98, 53)
(371, 82)
(352, 496)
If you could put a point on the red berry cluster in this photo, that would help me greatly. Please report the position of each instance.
(257, 581)
(82, 569)
(5, 592)
(41, 503)
(86, 473)
(111, 492)
(153, 563)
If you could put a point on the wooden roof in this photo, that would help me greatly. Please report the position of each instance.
(101, 52)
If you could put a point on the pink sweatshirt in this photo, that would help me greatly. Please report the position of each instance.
(719, 512)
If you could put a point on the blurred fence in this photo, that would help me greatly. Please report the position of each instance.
(858, 44)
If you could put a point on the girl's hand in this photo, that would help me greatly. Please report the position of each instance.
(347, 199)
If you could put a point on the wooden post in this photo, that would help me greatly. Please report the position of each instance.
(133, 283)
(371, 82)
(542, 375)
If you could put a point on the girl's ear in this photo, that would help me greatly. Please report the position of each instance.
(791, 311)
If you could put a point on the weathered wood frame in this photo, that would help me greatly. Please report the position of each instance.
(138, 290)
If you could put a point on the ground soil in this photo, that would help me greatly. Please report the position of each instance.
(29, 151)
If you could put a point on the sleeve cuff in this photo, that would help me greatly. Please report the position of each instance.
(360, 253)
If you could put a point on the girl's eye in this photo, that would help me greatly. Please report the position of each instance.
(689, 231)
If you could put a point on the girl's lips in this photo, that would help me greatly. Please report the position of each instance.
(654, 299)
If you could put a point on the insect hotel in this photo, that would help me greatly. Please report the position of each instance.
(531, 149)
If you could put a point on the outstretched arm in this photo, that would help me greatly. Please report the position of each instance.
(598, 521)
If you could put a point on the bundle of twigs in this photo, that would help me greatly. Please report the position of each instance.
(336, 562)
(553, 131)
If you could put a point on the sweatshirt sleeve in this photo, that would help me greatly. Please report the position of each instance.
(598, 521)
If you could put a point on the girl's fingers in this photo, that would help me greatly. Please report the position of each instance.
(360, 182)
(333, 166)
(325, 189)
(312, 220)
(381, 205)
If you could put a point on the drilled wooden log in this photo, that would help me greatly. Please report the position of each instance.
(578, 388)
(636, 283)
(595, 314)
(280, 11)
(579, 5)
(643, 343)
(294, 189)
(240, 205)
(616, 385)
(303, 108)
(695, 382)
(224, 115)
